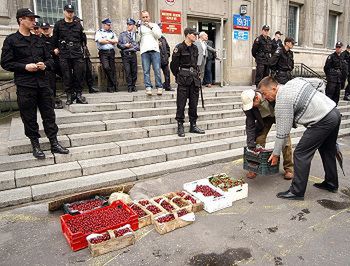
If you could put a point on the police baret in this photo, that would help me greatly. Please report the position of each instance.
(130, 21)
(25, 12)
(266, 27)
(45, 25)
(69, 7)
(339, 45)
(106, 21)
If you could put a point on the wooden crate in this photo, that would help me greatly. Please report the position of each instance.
(168, 201)
(113, 244)
(196, 207)
(163, 228)
(145, 220)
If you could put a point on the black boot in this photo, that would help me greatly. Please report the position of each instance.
(37, 151)
(110, 89)
(116, 88)
(69, 99)
(93, 90)
(134, 89)
(130, 89)
(81, 99)
(56, 147)
(180, 129)
(58, 104)
(195, 129)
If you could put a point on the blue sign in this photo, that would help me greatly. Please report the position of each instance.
(240, 35)
(241, 22)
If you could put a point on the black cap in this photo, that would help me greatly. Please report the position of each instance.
(25, 12)
(289, 39)
(278, 32)
(130, 21)
(190, 31)
(266, 27)
(339, 45)
(69, 7)
(45, 25)
(36, 26)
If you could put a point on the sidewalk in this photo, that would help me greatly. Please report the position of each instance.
(259, 230)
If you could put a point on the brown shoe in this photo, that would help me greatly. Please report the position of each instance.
(288, 175)
(251, 175)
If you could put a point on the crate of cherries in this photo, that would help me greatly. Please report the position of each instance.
(111, 240)
(76, 228)
(196, 204)
(82, 206)
(165, 223)
(151, 206)
(143, 214)
(212, 197)
(166, 204)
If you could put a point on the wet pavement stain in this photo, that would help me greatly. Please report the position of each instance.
(299, 216)
(306, 211)
(229, 257)
(272, 229)
(334, 205)
(278, 261)
(346, 191)
(301, 258)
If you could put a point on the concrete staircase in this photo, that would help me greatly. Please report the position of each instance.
(124, 137)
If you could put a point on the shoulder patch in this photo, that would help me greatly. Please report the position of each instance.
(329, 57)
(278, 51)
(175, 50)
(257, 39)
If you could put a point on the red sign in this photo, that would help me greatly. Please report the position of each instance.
(167, 16)
(171, 28)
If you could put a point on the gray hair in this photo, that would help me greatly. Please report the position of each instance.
(201, 34)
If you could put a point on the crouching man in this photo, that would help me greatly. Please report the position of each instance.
(299, 102)
(260, 116)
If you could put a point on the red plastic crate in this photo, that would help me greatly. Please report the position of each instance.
(78, 240)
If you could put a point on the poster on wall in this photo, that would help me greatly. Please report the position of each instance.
(171, 21)
(241, 35)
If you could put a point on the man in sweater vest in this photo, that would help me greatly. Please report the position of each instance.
(299, 102)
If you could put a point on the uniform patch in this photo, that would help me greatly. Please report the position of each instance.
(277, 51)
(257, 39)
(175, 50)
(329, 57)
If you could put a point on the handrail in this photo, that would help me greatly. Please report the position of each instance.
(302, 70)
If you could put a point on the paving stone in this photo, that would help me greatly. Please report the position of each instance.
(88, 152)
(79, 184)
(7, 180)
(15, 196)
(26, 160)
(85, 108)
(43, 174)
(112, 163)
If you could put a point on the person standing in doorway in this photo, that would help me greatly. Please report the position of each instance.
(184, 67)
(25, 54)
(203, 50)
(208, 75)
(164, 49)
(128, 49)
(261, 51)
(106, 40)
(148, 34)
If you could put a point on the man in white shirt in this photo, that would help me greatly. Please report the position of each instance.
(148, 34)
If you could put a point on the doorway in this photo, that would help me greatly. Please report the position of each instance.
(212, 28)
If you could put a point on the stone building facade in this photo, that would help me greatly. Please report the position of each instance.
(315, 24)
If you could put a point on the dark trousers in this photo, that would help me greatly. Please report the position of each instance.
(333, 90)
(347, 89)
(166, 73)
(261, 72)
(88, 72)
(72, 73)
(322, 137)
(130, 68)
(52, 82)
(31, 99)
(208, 75)
(107, 58)
(192, 93)
(283, 77)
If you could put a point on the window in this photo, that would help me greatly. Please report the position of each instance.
(332, 30)
(293, 22)
(52, 10)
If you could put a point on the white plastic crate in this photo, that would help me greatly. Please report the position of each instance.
(211, 204)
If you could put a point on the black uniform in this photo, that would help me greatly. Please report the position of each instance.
(282, 62)
(164, 61)
(346, 58)
(336, 70)
(184, 68)
(33, 91)
(129, 57)
(69, 39)
(275, 44)
(261, 51)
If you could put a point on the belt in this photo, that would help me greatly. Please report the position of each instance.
(129, 52)
(191, 69)
(106, 50)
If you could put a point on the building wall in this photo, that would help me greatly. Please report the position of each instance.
(239, 64)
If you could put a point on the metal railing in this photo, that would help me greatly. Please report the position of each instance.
(302, 70)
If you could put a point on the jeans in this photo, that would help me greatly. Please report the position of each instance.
(148, 58)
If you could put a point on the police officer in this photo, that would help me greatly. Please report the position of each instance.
(346, 57)
(106, 39)
(128, 48)
(184, 68)
(68, 39)
(276, 42)
(25, 54)
(282, 61)
(261, 51)
(47, 38)
(88, 64)
(336, 70)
